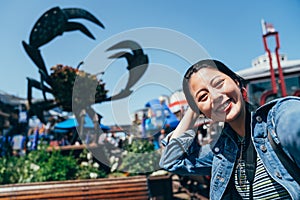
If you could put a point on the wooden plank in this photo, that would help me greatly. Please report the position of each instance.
(105, 188)
(86, 194)
(57, 184)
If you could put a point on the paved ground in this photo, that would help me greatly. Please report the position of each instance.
(181, 193)
(185, 196)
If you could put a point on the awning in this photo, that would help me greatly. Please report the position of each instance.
(67, 124)
(72, 123)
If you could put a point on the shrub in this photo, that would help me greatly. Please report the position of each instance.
(140, 158)
(63, 80)
(40, 166)
(11, 169)
(57, 168)
(88, 167)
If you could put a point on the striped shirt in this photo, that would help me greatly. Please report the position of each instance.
(264, 187)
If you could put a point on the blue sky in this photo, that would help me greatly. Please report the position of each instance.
(228, 30)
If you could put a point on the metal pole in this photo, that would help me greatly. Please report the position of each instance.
(281, 78)
(273, 80)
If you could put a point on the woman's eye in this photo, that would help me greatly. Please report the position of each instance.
(202, 97)
(219, 83)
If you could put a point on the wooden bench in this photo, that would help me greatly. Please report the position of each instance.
(134, 187)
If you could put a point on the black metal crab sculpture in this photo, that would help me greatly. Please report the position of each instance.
(55, 22)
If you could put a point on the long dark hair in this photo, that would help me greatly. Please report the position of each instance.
(208, 63)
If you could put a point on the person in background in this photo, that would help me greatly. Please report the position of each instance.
(35, 138)
(6, 139)
(242, 162)
(161, 137)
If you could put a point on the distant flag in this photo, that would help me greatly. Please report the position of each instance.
(267, 27)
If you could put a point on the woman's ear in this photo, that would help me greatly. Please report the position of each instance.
(243, 90)
(244, 93)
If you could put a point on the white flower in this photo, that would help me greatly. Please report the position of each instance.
(96, 165)
(84, 163)
(34, 167)
(114, 167)
(124, 153)
(112, 159)
(93, 175)
(89, 156)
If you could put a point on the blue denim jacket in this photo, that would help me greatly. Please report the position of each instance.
(281, 117)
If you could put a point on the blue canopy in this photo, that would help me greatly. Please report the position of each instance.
(67, 124)
(72, 123)
(162, 113)
(61, 131)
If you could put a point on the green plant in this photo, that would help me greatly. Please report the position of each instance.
(63, 79)
(139, 146)
(10, 169)
(140, 158)
(88, 167)
(42, 165)
(57, 168)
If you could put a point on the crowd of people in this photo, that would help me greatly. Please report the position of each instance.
(20, 135)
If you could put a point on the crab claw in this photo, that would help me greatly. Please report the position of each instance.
(51, 24)
(54, 22)
(123, 94)
(80, 13)
(137, 62)
(35, 56)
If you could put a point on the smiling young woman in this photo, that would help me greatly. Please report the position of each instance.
(218, 97)
(242, 163)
